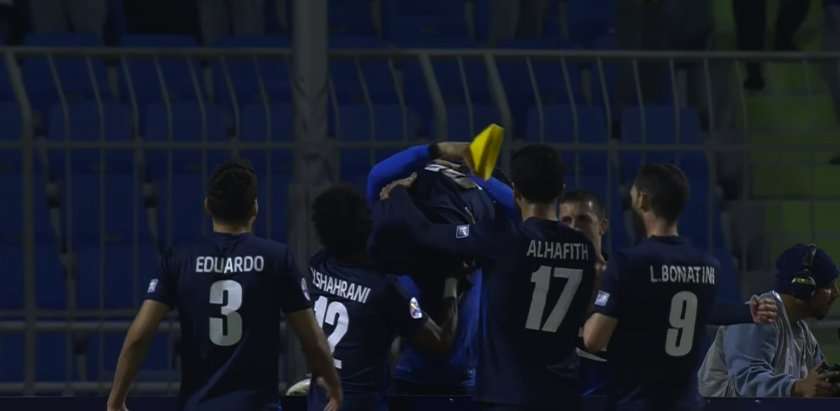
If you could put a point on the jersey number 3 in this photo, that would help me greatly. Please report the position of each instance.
(542, 280)
(683, 317)
(227, 329)
(335, 314)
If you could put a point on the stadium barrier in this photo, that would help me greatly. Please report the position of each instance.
(95, 103)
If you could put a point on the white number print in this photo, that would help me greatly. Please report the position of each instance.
(683, 317)
(334, 314)
(542, 280)
(220, 334)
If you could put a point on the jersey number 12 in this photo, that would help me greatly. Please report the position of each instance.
(542, 280)
(335, 314)
(683, 317)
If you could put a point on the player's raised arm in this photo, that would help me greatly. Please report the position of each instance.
(317, 353)
(397, 217)
(758, 311)
(137, 342)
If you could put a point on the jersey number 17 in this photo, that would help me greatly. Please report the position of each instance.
(542, 281)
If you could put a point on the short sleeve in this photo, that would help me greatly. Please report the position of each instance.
(163, 286)
(608, 300)
(292, 288)
(402, 311)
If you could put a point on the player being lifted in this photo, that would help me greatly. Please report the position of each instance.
(230, 290)
(362, 308)
(538, 282)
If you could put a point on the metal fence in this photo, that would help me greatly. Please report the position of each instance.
(432, 94)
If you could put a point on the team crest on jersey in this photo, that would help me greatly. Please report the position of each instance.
(152, 285)
(602, 298)
(305, 289)
(414, 309)
(462, 231)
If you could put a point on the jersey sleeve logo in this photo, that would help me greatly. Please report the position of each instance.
(414, 309)
(152, 285)
(305, 289)
(462, 231)
(602, 298)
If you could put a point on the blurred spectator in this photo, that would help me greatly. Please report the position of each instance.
(80, 16)
(222, 18)
(658, 25)
(831, 42)
(782, 359)
(751, 22)
(511, 19)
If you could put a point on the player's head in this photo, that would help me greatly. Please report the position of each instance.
(808, 274)
(232, 194)
(342, 220)
(660, 192)
(536, 172)
(583, 211)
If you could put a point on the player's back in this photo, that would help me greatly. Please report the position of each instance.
(230, 291)
(668, 290)
(536, 291)
(361, 311)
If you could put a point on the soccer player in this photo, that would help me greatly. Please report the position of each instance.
(444, 192)
(654, 303)
(230, 290)
(538, 282)
(362, 308)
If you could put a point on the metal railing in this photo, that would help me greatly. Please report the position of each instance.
(52, 159)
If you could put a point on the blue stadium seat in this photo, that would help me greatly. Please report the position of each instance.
(382, 123)
(177, 74)
(660, 125)
(351, 17)
(83, 121)
(11, 295)
(120, 288)
(558, 126)
(458, 120)
(374, 74)
(10, 118)
(246, 73)
(590, 19)
(11, 358)
(187, 122)
(551, 82)
(50, 278)
(73, 72)
(51, 357)
(277, 125)
(277, 203)
(411, 21)
(154, 364)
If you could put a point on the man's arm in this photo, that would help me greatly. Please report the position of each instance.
(397, 218)
(438, 338)
(750, 351)
(396, 166)
(597, 332)
(134, 348)
(758, 311)
(317, 353)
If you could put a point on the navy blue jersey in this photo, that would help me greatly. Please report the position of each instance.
(361, 311)
(538, 281)
(230, 292)
(662, 292)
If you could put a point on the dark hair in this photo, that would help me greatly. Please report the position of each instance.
(583, 197)
(537, 173)
(232, 191)
(342, 220)
(667, 188)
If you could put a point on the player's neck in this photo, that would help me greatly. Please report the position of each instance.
(794, 308)
(232, 229)
(537, 210)
(657, 227)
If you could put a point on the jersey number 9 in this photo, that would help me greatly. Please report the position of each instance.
(683, 317)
